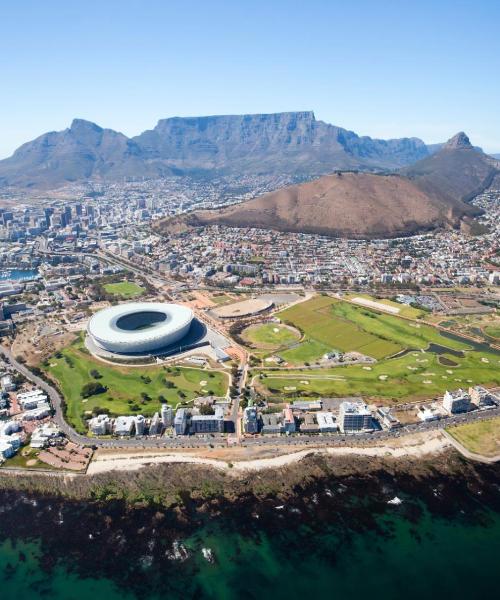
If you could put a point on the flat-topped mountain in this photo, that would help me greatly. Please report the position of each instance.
(262, 144)
(429, 195)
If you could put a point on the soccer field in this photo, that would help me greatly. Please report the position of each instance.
(124, 289)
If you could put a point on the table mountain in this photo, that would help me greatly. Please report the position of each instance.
(264, 144)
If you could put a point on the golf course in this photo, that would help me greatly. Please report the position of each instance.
(132, 390)
(414, 360)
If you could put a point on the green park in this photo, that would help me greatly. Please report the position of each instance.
(90, 386)
(414, 360)
(124, 289)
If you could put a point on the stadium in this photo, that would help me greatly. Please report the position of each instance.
(139, 327)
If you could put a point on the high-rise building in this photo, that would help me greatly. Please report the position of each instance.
(167, 415)
(354, 416)
(457, 401)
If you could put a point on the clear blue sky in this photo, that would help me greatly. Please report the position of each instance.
(381, 68)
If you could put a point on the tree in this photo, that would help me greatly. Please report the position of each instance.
(206, 409)
(169, 384)
(92, 388)
(95, 374)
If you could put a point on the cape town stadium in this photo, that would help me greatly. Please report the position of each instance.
(139, 327)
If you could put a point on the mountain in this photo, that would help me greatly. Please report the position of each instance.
(83, 151)
(264, 144)
(428, 195)
(457, 172)
(497, 156)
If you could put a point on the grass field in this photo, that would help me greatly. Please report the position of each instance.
(269, 336)
(493, 331)
(417, 375)
(125, 385)
(124, 289)
(481, 437)
(330, 324)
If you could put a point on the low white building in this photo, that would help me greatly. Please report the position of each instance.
(42, 411)
(43, 434)
(425, 414)
(326, 422)
(100, 425)
(124, 425)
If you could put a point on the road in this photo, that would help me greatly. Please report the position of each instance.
(199, 442)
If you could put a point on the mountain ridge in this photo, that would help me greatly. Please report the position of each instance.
(284, 143)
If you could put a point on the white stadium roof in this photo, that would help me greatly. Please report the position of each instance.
(139, 326)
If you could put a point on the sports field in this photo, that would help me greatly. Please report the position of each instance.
(124, 289)
(126, 386)
(269, 336)
(330, 324)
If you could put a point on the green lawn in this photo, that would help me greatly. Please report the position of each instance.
(124, 289)
(413, 376)
(330, 324)
(481, 437)
(125, 385)
(493, 331)
(270, 335)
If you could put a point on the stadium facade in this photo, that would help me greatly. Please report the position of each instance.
(139, 327)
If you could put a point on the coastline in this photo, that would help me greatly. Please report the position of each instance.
(413, 446)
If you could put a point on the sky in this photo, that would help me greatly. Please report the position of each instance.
(381, 68)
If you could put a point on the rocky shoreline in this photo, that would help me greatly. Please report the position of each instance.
(141, 518)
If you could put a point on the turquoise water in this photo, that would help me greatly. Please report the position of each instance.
(400, 555)
(17, 275)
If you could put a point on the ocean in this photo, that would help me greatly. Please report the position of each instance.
(339, 540)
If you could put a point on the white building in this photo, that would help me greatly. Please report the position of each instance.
(481, 397)
(42, 411)
(425, 414)
(494, 278)
(140, 423)
(100, 425)
(456, 402)
(124, 425)
(41, 435)
(7, 384)
(167, 415)
(326, 422)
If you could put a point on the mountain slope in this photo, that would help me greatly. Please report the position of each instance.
(457, 172)
(362, 205)
(83, 151)
(274, 144)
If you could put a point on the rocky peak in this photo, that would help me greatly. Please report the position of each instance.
(460, 140)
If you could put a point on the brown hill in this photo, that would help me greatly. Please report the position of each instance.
(362, 205)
